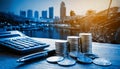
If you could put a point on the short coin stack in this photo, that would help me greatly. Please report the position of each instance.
(62, 54)
(61, 47)
(61, 51)
(74, 45)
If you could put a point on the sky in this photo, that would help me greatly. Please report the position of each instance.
(79, 6)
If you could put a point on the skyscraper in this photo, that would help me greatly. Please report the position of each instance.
(51, 12)
(36, 14)
(62, 10)
(30, 13)
(22, 13)
(44, 14)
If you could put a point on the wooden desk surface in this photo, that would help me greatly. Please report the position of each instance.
(104, 50)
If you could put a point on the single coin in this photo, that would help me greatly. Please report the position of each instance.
(54, 59)
(67, 62)
(73, 54)
(83, 59)
(102, 62)
(92, 56)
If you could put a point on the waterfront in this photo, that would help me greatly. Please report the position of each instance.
(61, 31)
(51, 32)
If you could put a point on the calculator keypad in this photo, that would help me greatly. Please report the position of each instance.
(24, 43)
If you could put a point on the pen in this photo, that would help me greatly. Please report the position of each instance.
(33, 56)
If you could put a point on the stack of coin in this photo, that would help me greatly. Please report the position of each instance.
(86, 42)
(61, 48)
(74, 45)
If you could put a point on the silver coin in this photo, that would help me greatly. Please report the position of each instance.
(67, 62)
(84, 59)
(54, 59)
(92, 56)
(73, 54)
(102, 62)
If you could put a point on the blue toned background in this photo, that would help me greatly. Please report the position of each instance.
(79, 6)
(104, 26)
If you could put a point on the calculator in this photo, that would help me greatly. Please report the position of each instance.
(17, 41)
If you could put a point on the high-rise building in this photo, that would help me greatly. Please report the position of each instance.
(44, 14)
(62, 10)
(36, 14)
(30, 13)
(51, 12)
(22, 13)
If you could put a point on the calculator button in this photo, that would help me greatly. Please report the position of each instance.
(37, 44)
(26, 46)
(19, 47)
(31, 45)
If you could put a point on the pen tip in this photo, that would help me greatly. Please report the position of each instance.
(20, 60)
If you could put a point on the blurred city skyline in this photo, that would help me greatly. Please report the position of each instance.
(79, 6)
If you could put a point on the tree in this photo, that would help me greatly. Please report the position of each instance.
(90, 12)
(72, 13)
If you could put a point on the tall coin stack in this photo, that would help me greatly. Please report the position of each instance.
(74, 45)
(86, 42)
(61, 48)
